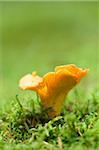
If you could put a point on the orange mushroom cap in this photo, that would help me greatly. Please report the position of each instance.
(53, 86)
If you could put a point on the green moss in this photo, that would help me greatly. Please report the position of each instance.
(30, 128)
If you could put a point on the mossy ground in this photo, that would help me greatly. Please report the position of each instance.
(30, 128)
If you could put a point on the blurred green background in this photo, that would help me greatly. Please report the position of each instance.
(40, 35)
